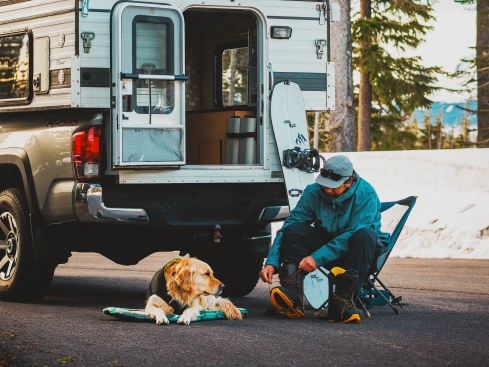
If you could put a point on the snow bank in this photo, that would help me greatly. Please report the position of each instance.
(451, 217)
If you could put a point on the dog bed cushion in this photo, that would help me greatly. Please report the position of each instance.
(130, 314)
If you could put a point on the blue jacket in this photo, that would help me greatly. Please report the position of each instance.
(358, 207)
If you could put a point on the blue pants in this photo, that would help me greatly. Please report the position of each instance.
(300, 240)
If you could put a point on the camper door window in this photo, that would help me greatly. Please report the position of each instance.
(15, 69)
(153, 54)
(234, 76)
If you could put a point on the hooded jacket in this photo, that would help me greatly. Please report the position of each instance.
(358, 207)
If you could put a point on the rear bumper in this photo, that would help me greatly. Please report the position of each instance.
(167, 212)
(90, 208)
(274, 213)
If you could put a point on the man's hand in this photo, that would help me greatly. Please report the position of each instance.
(266, 274)
(308, 264)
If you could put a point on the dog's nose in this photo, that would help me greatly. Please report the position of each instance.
(221, 285)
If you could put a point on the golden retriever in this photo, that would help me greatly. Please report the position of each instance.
(188, 285)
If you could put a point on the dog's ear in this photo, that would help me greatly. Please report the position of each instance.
(183, 277)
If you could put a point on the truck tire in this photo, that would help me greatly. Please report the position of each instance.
(21, 278)
(239, 276)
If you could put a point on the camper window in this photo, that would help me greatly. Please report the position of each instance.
(234, 77)
(15, 68)
(153, 45)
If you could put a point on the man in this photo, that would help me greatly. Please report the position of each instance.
(336, 224)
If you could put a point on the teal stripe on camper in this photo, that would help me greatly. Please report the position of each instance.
(306, 81)
(95, 77)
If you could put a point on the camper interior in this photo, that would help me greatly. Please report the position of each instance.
(221, 97)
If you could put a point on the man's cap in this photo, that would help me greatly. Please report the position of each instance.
(339, 165)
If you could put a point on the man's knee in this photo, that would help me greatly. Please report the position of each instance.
(298, 241)
(364, 237)
(296, 228)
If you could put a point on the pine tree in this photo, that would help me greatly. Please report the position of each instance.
(341, 125)
(440, 136)
(463, 139)
(391, 133)
(326, 138)
(480, 67)
(395, 86)
(426, 136)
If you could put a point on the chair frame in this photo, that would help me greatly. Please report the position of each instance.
(379, 260)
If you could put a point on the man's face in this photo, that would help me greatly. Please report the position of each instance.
(334, 193)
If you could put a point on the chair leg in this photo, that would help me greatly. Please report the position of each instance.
(395, 300)
(388, 301)
(362, 305)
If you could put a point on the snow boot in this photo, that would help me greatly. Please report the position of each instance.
(341, 304)
(288, 297)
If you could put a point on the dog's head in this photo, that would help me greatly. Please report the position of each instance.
(195, 278)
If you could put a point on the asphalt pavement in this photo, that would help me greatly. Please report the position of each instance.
(445, 323)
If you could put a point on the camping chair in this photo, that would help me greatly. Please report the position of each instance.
(394, 216)
(317, 285)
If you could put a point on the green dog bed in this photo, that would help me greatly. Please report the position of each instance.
(130, 314)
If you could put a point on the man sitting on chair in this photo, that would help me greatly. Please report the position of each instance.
(336, 224)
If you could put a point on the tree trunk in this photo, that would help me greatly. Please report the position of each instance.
(342, 123)
(482, 62)
(316, 131)
(365, 93)
(232, 78)
(364, 112)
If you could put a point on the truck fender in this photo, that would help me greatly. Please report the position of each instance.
(17, 158)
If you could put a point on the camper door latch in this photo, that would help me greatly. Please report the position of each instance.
(323, 9)
(87, 41)
(36, 82)
(295, 192)
(148, 68)
(320, 45)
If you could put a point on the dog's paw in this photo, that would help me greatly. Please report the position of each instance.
(232, 313)
(160, 317)
(161, 320)
(184, 319)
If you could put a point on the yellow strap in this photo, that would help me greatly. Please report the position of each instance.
(171, 263)
(337, 270)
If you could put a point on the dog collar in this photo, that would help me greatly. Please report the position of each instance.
(174, 261)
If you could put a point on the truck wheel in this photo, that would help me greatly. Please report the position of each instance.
(239, 276)
(21, 278)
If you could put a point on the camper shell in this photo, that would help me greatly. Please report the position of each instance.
(130, 127)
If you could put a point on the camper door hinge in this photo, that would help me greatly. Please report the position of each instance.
(323, 11)
(320, 45)
(87, 38)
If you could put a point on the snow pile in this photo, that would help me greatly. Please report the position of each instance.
(451, 217)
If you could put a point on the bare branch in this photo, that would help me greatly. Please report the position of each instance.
(466, 109)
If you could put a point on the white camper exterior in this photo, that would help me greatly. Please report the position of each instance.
(130, 127)
(80, 53)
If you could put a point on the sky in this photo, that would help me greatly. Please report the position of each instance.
(450, 218)
(449, 42)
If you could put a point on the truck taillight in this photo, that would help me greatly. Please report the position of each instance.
(86, 153)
